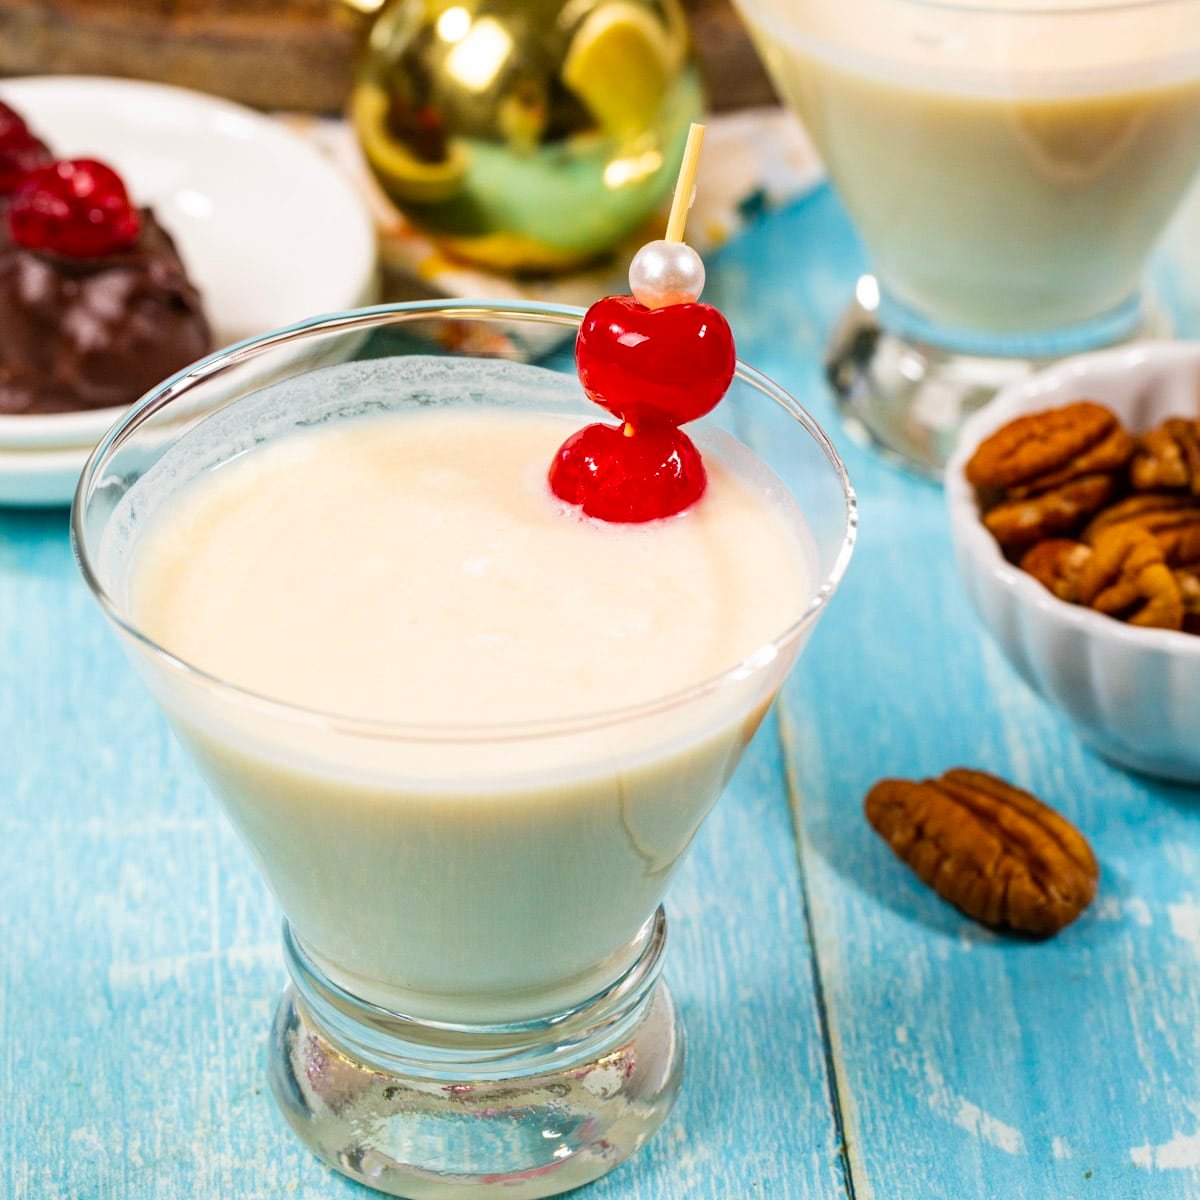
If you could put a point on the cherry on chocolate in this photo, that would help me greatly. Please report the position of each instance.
(628, 478)
(12, 126)
(77, 207)
(654, 366)
(20, 150)
(17, 161)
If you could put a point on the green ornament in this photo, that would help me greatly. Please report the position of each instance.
(526, 135)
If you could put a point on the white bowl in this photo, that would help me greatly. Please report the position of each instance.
(270, 230)
(1132, 694)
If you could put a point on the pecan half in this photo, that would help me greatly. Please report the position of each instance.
(994, 851)
(1180, 543)
(1040, 444)
(1152, 511)
(1056, 564)
(1189, 591)
(1109, 454)
(1168, 457)
(1018, 524)
(1127, 576)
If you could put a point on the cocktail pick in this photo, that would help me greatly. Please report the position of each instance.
(656, 359)
(669, 271)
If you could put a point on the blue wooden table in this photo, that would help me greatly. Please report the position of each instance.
(850, 1035)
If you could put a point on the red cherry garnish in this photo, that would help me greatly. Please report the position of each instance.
(20, 151)
(77, 207)
(12, 124)
(628, 477)
(17, 161)
(654, 366)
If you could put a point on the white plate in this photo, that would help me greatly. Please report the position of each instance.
(40, 478)
(269, 229)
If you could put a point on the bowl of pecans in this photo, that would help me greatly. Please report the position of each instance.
(1075, 511)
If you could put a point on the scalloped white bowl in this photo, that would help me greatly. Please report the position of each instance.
(1132, 694)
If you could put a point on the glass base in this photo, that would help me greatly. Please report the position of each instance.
(431, 1111)
(908, 395)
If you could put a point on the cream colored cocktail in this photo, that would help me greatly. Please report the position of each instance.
(467, 731)
(416, 570)
(1009, 165)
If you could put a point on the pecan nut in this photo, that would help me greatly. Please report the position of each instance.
(1189, 591)
(1155, 512)
(1109, 454)
(1042, 444)
(994, 851)
(1056, 564)
(1180, 543)
(1168, 457)
(1127, 576)
(1019, 524)
(1181, 546)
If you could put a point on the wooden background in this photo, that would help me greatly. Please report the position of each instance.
(282, 54)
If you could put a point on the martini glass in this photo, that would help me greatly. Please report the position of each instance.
(473, 925)
(1008, 164)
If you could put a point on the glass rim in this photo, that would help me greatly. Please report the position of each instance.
(374, 316)
(1033, 8)
(1019, 8)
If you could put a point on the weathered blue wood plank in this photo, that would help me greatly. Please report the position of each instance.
(140, 960)
(969, 1065)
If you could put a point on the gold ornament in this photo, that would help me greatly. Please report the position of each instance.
(526, 135)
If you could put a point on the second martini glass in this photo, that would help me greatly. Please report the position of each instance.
(1009, 164)
(473, 925)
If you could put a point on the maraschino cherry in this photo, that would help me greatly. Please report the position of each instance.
(21, 151)
(654, 365)
(614, 476)
(656, 359)
(77, 207)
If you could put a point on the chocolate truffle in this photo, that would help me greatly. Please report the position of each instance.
(82, 333)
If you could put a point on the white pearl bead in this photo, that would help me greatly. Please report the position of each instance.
(665, 273)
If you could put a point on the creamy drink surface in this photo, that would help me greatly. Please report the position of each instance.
(415, 571)
(1009, 171)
